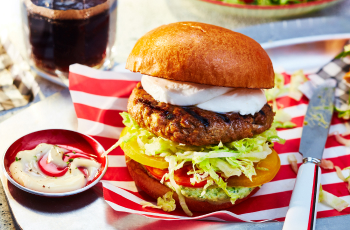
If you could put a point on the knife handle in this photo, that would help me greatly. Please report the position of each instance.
(302, 210)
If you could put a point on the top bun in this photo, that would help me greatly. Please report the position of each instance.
(202, 53)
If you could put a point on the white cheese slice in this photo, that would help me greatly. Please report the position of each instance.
(240, 100)
(213, 98)
(180, 93)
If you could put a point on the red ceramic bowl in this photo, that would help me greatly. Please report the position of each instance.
(56, 137)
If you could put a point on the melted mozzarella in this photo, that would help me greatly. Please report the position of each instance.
(240, 100)
(180, 93)
(213, 98)
(26, 170)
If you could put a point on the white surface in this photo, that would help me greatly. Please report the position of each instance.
(300, 208)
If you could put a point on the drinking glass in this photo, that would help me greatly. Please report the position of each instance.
(59, 33)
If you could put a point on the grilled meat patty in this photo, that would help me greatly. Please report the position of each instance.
(193, 126)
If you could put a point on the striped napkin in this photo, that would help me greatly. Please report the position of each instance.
(335, 69)
(98, 99)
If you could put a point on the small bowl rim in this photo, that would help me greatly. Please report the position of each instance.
(61, 194)
(276, 7)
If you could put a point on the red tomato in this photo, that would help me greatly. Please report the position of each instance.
(181, 177)
(271, 163)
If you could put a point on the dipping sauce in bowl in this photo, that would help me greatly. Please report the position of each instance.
(50, 168)
(55, 162)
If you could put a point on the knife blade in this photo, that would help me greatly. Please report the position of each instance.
(317, 121)
(302, 209)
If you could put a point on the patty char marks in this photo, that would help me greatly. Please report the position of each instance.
(194, 126)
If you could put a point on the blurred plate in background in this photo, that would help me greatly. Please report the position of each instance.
(273, 11)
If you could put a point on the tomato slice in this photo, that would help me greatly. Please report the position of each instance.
(180, 175)
(133, 151)
(271, 162)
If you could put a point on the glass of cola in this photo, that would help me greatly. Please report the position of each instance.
(59, 33)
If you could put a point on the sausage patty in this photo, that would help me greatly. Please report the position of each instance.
(194, 126)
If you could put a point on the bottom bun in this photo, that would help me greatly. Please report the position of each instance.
(155, 189)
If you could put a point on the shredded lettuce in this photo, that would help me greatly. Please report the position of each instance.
(278, 90)
(198, 176)
(209, 183)
(345, 53)
(332, 201)
(284, 125)
(211, 163)
(282, 116)
(225, 167)
(296, 79)
(173, 166)
(166, 203)
(282, 119)
(344, 111)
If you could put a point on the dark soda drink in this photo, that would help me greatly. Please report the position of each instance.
(64, 32)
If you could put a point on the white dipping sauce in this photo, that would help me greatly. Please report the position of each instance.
(212, 98)
(25, 170)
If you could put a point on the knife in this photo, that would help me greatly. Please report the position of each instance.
(302, 210)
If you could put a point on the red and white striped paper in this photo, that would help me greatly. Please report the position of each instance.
(98, 99)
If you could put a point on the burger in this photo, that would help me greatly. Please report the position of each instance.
(198, 125)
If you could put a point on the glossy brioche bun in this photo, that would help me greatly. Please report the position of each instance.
(155, 189)
(202, 53)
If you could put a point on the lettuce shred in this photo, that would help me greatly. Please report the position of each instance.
(332, 201)
(212, 162)
(296, 79)
(166, 203)
(344, 111)
(282, 119)
(278, 90)
(345, 53)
